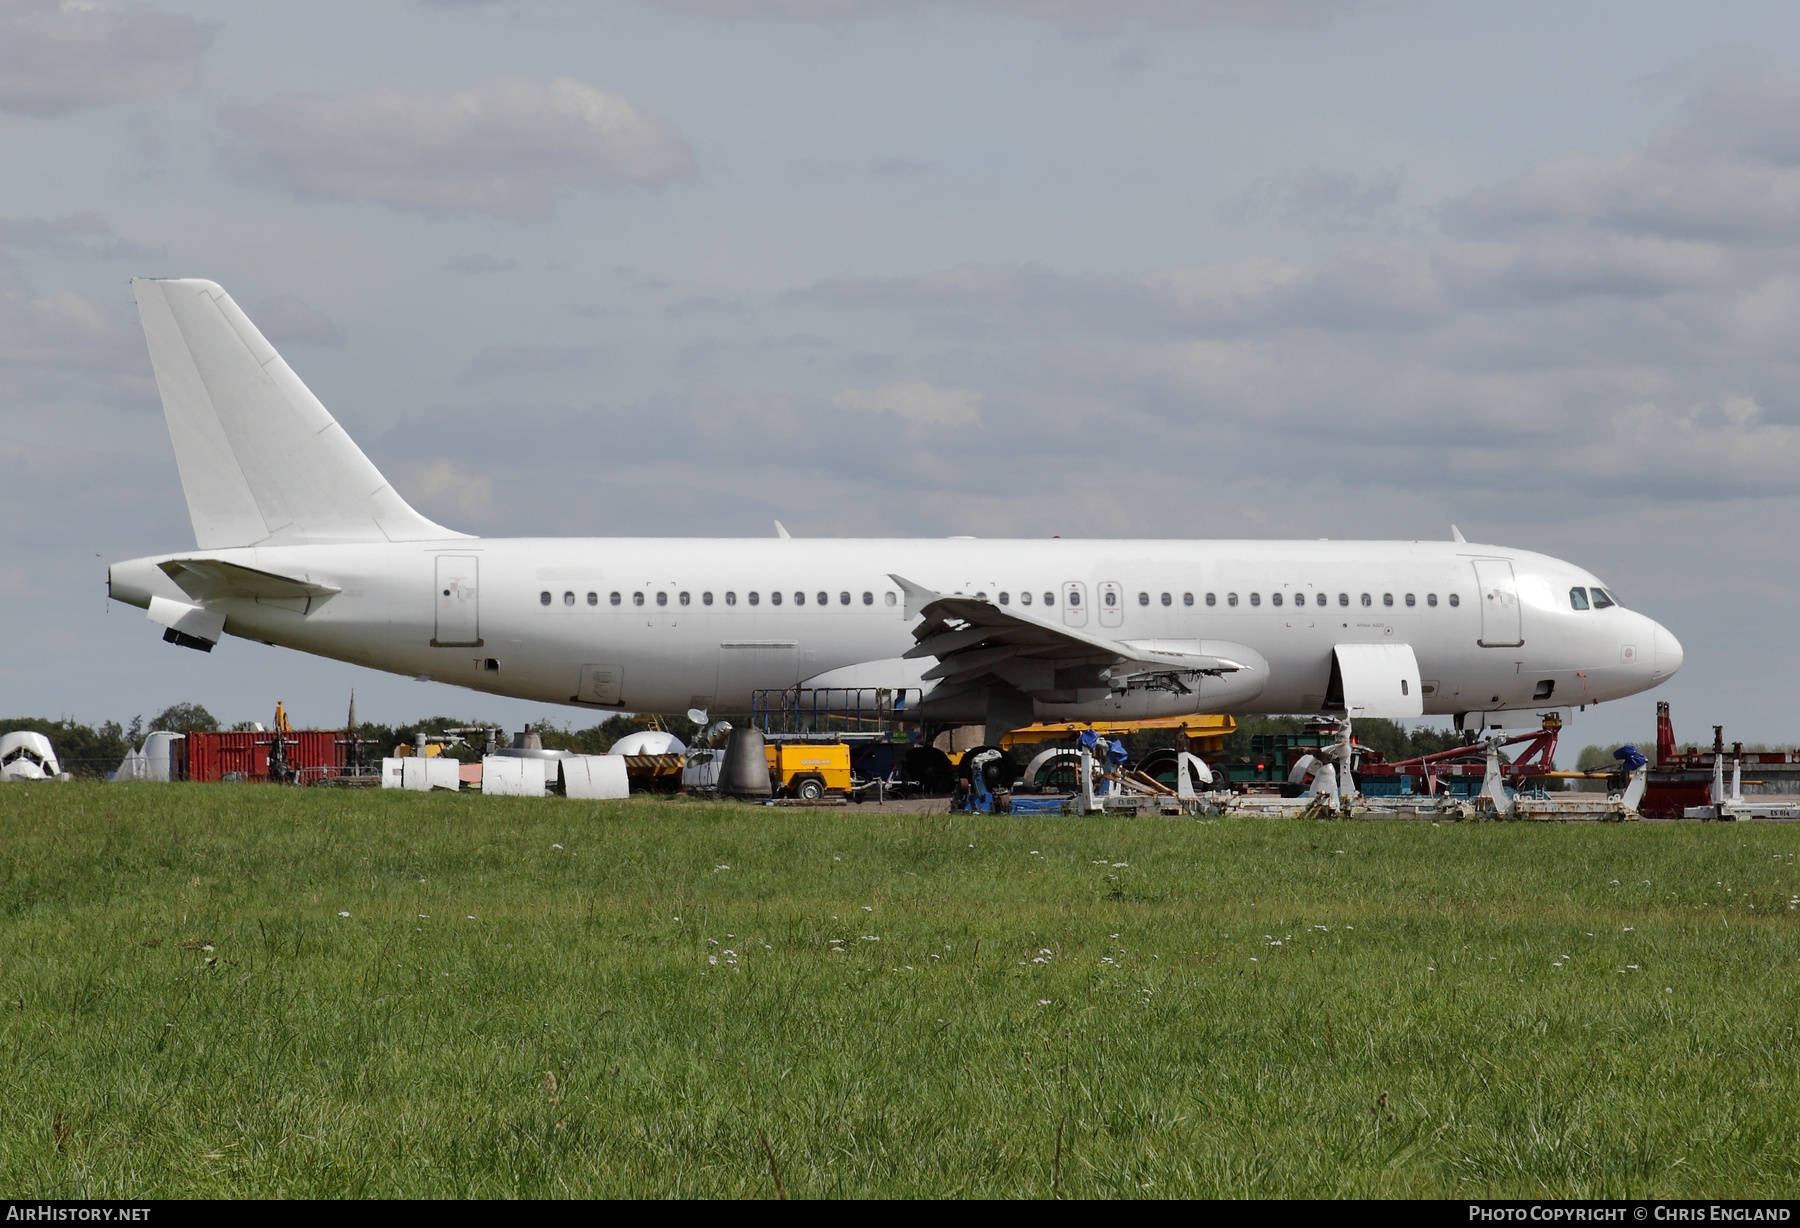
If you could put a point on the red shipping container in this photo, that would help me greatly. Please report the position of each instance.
(313, 753)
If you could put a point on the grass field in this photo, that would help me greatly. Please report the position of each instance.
(544, 998)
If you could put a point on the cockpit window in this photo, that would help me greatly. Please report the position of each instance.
(1602, 598)
(1578, 599)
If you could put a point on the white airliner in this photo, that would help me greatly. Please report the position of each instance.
(301, 542)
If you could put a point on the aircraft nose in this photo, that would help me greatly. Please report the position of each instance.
(1668, 655)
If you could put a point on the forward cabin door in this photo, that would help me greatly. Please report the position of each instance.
(1501, 622)
(458, 602)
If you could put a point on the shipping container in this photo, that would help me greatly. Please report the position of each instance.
(311, 753)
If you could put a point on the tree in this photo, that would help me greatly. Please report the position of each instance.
(181, 718)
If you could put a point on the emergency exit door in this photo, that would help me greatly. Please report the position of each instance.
(458, 603)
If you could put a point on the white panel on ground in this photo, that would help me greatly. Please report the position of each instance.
(391, 773)
(1380, 680)
(595, 777)
(443, 773)
(412, 775)
(504, 776)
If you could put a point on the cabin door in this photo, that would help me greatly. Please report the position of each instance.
(1501, 623)
(458, 602)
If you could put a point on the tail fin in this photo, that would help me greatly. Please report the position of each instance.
(262, 461)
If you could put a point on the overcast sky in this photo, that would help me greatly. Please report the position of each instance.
(1182, 268)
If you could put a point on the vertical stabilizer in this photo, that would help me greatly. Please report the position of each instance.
(262, 461)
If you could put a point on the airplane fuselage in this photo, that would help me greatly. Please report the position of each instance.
(663, 625)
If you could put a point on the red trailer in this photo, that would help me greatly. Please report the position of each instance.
(311, 753)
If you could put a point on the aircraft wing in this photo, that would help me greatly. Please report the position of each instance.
(211, 579)
(977, 642)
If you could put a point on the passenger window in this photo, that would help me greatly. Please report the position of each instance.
(662, 599)
(1455, 600)
(981, 596)
(568, 598)
(544, 598)
(774, 598)
(637, 599)
(1411, 600)
(684, 599)
(799, 598)
(1431, 599)
(1005, 599)
(1049, 598)
(614, 598)
(1075, 597)
(705, 598)
(1578, 598)
(1112, 598)
(1211, 599)
(889, 598)
(1387, 599)
(1025, 598)
(1321, 599)
(824, 598)
(1274, 598)
(1143, 598)
(1343, 598)
(1168, 600)
(1367, 600)
(754, 598)
(593, 598)
(1230, 598)
(1255, 598)
(1602, 598)
(868, 598)
(730, 598)
(843, 598)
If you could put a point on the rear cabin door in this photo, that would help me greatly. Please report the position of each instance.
(1501, 623)
(458, 603)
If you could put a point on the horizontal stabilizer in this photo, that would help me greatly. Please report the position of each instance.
(212, 580)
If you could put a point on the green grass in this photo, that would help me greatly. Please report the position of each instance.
(549, 1027)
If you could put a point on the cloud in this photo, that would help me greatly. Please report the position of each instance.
(509, 149)
(61, 57)
(1323, 200)
(285, 319)
(499, 361)
(58, 346)
(444, 490)
(920, 404)
(1595, 330)
(480, 262)
(1081, 17)
(73, 234)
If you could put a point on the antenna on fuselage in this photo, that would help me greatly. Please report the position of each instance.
(1456, 536)
(781, 531)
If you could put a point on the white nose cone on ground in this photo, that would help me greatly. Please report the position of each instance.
(1668, 656)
